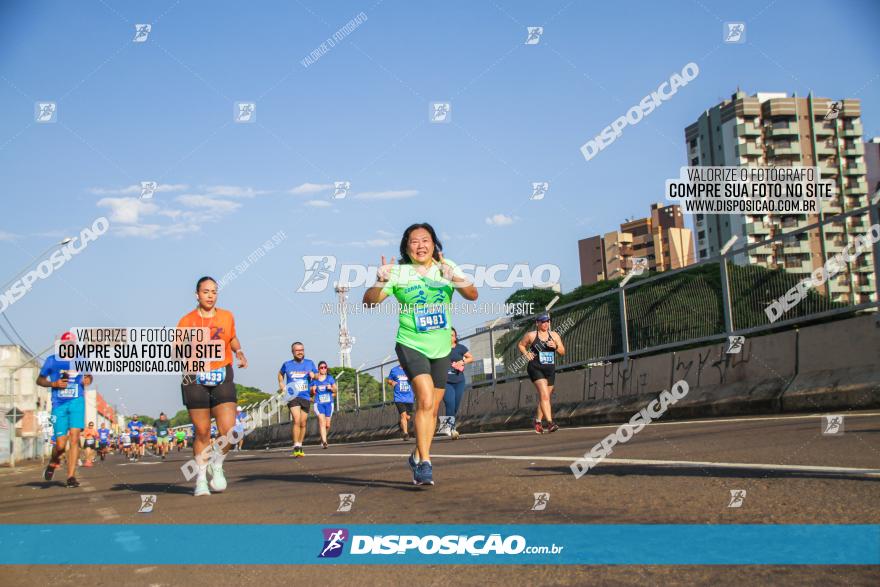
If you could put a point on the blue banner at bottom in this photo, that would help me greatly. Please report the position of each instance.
(479, 544)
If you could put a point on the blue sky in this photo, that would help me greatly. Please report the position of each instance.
(162, 110)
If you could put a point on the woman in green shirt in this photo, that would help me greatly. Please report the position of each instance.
(422, 283)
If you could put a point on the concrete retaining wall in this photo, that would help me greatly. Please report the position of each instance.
(829, 366)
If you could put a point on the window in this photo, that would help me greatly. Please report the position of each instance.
(695, 161)
(703, 254)
(701, 235)
(693, 143)
(699, 217)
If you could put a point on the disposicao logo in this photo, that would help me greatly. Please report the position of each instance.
(334, 541)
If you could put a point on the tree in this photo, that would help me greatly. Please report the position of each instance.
(371, 390)
(249, 395)
(181, 418)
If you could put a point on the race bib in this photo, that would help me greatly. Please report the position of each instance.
(325, 398)
(90, 441)
(69, 392)
(211, 378)
(547, 357)
(404, 386)
(431, 318)
(300, 385)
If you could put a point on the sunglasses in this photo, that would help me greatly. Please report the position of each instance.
(322, 367)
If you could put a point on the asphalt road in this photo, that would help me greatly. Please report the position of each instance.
(671, 472)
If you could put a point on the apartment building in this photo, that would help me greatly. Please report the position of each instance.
(661, 238)
(773, 129)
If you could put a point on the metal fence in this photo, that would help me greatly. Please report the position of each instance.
(725, 295)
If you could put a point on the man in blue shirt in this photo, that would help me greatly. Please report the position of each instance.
(68, 411)
(403, 398)
(294, 379)
(103, 441)
(135, 429)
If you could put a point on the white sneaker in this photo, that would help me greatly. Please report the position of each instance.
(218, 480)
(201, 487)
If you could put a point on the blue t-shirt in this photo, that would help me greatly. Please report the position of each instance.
(457, 354)
(103, 434)
(297, 376)
(53, 369)
(134, 428)
(324, 390)
(402, 390)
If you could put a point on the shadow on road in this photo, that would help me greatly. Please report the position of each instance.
(697, 471)
(329, 480)
(42, 484)
(152, 488)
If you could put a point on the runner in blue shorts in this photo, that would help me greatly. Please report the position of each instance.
(403, 398)
(68, 411)
(294, 379)
(103, 441)
(324, 392)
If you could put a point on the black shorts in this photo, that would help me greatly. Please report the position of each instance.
(197, 396)
(303, 403)
(404, 407)
(415, 363)
(538, 371)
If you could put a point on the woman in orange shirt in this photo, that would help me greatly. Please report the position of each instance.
(212, 393)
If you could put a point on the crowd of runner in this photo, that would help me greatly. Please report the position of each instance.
(430, 371)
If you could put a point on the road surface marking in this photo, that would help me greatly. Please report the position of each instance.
(685, 464)
(601, 426)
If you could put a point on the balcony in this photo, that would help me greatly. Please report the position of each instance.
(823, 149)
(854, 170)
(852, 130)
(854, 148)
(783, 129)
(748, 150)
(857, 188)
(748, 130)
(824, 129)
(793, 149)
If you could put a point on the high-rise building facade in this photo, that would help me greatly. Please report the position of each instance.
(661, 238)
(773, 129)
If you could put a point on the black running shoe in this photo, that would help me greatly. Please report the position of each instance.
(50, 471)
(72, 482)
(552, 427)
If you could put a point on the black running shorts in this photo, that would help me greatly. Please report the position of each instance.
(415, 363)
(404, 407)
(537, 371)
(301, 402)
(197, 396)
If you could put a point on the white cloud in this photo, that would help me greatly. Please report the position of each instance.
(233, 191)
(136, 189)
(7, 236)
(499, 220)
(318, 203)
(310, 188)
(127, 210)
(385, 233)
(386, 195)
(207, 202)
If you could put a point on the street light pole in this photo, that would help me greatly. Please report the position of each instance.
(31, 262)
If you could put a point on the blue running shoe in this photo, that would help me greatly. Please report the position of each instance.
(424, 474)
(413, 464)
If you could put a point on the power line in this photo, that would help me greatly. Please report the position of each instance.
(20, 338)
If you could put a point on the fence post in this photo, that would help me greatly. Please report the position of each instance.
(725, 296)
(874, 218)
(624, 330)
(357, 386)
(492, 355)
(382, 377)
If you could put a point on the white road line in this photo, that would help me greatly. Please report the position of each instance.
(684, 464)
(529, 431)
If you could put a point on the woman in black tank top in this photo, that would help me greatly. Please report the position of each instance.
(543, 347)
